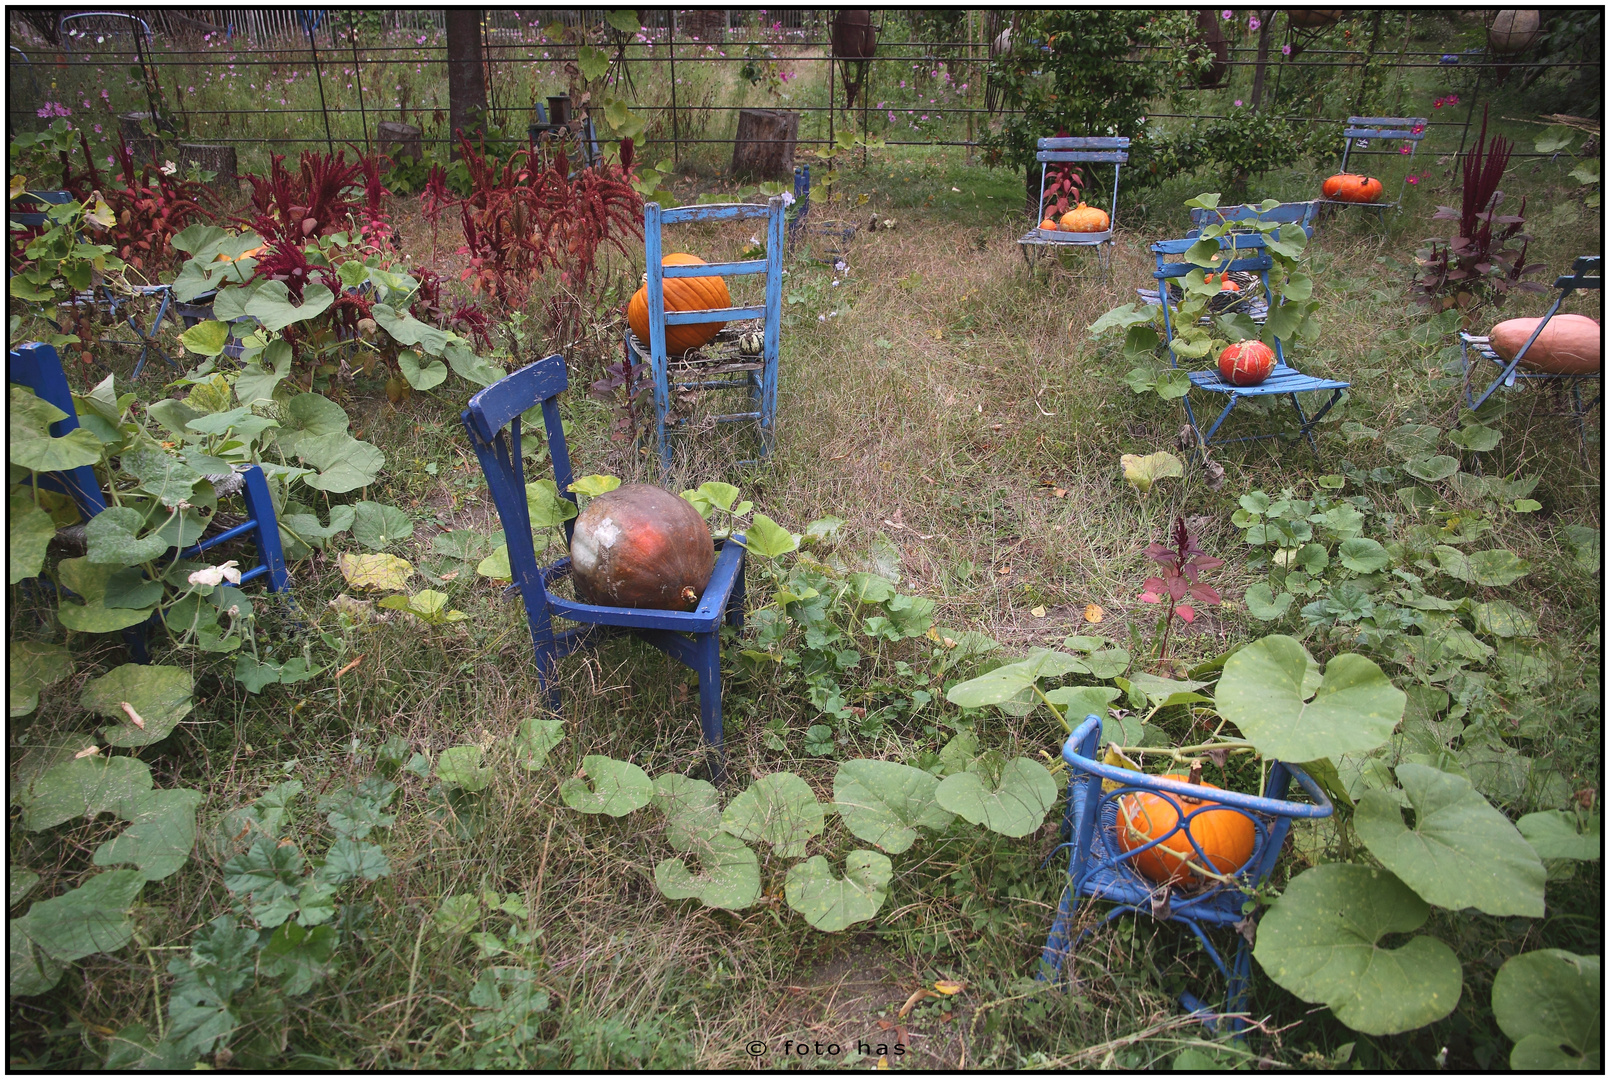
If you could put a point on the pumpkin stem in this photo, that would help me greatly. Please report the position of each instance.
(1196, 772)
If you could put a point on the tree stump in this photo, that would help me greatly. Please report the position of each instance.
(145, 148)
(214, 158)
(764, 148)
(398, 141)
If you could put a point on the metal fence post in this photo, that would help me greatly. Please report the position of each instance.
(307, 24)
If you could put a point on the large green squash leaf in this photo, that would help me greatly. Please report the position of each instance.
(32, 666)
(1551, 1003)
(692, 810)
(1321, 942)
(779, 809)
(158, 694)
(1015, 806)
(1461, 852)
(84, 787)
(1266, 692)
(729, 875)
(831, 904)
(89, 919)
(618, 787)
(161, 836)
(273, 307)
(112, 538)
(1556, 834)
(30, 532)
(885, 803)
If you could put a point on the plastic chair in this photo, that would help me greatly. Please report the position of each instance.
(1361, 129)
(38, 367)
(493, 422)
(1284, 379)
(100, 296)
(1586, 273)
(1114, 151)
(759, 377)
(1098, 867)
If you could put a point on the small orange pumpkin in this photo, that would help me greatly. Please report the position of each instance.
(252, 254)
(1226, 836)
(1048, 225)
(1350, 187)
(1568, 345)
(681, 294)
(1084, 218)
(1226, 285)
(1246, 363)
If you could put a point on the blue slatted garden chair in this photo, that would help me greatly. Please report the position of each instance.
(1586, 273)
(1112, 151)
(1100, 869)
(1284, 380)
(692, 638)
(723, 368)
(1300, 214)
(1360, 131)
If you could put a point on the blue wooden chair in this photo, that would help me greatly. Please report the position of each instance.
(758, 376)
(102, 297)
(1586, 273)
(1112, 151)
(38, 367)
(1357, 134)
(493, 423)
(1284, 379)
(1100, 869)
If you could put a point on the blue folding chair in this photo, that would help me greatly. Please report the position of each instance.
(1099, 867)
(101, 296)
(758, 376)
(1284, 379)
(493, 423)
(1586, 273)
(1301, 214)
(1112, 151)
(1358, 133)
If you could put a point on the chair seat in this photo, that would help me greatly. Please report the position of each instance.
(1282, 380)
(705, 618)
(1057, 239)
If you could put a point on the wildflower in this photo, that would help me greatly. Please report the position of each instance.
(169, 168)
(1417, 129)
(963, 86)
(1453, 99)
(1414, 179)
(1285, 50)
(821, 318)
(97, 129)
(217, 575)
(891, 116)
(788, 198)
(1238, 103)
(1226, 14)
(1253, 23)
(835, 282)
(841, 266)
(1403, 150)
(1437, 104)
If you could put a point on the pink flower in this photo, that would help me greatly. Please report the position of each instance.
(1226, 14)
(1414, 179)
(1403, 150)
(1453, 99)
(1285, 50)
(1253, 23)
(97, 129)
(1437, 104)
(1238, 103)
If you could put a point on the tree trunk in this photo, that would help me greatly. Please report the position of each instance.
(764, 148)
(466, 84)
(1267, 17)
(398, 141)
(215, 158)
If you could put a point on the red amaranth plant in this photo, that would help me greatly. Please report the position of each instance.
(1181, 565)
(149, 207)
(316, 200)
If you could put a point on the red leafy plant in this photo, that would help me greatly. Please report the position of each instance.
(1178, 583)
(316, 200)
(149, 206)
(1063, 184)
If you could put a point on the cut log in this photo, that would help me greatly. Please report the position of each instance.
(133, 127)
(398, 141)
(764, 148)
(214, 158)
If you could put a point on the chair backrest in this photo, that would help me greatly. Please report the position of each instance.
(1410, 129)
(1169, 266)
(1586, 273)
(655, 218)
(35, 219)
(38, 367)
(1113, 150)
(1300, 214)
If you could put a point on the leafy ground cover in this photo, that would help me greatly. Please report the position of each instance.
(374, 845)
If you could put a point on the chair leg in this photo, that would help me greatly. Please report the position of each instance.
(1057, 944)
(1303, 425)
(709, 672)
(735, 604)
(260, 505)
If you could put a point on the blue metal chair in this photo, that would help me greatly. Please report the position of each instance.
(1100, 869)
(1284, 379)
(1113, 151)
(493, 423)
(101, 296)
(1361, 129)
(759, 377)
(1586, 273)
(1300, 214)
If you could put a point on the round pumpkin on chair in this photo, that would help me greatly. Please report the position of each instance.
(1350, 187)
(1246, 363)
(1225, 836)
(1084, 218)
(681, 294)
(640, 546)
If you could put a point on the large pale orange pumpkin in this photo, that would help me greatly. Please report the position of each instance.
(1568, 345)
(1350, 187)
(1226, 836)
(1084, 218)
(640, 546)
(681, 294)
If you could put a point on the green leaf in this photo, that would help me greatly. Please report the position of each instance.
(378, 526)
(1321, 942)
(618, 787)
(426, 605)
(1124, 317)
(1144, 471)
(206, 338)
(1262, 603)
(1585, 544)
(1461, 852)
(84, 787)
(349, 859)
(31, 530)
(424, 375)
(1500, 618)
(1297, 287)
(271, 304)
(729, 875)
(344, 463)
(884, 803)
(593, 62)
(1474, 436)
(1430, 468)
(1550, 1003)
(299, 956)
(1410, 440)
(161, 836)
(1555, 834)
(460, 766)
(1265, 692)
(92, 918)
(595, 485)
(496, 565)
(32, 666)
(1555, 137)
(379, 571)
(164, 476)
(1362, 555)
(457, 914)
(712, 494)
(30, 969)
(692, 810)
(830, 904)
(623, 19)
(112, 538)
(1078, 702)
(535, 738)
(1587, 172)
(779, 809)
(32, 447)
(1009, 681)
(1016, 806)
(258, 379)
(160, 694)
(1497, 567)
(90, 582)
(221, 961)
(308, 416)
(470, 367)
(766, 538)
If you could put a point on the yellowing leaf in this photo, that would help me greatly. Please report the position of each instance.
(376, 571)
(1093, 613)
(1145, 471)
(947, 987)
(101, 214)
(1038, 612)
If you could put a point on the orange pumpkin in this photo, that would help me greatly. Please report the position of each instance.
(1084, 218)
(1350, 187)
(252, 254)
(1226, 285)
(681, 294)
(640, 546)
(1246, 363)
(1048, 225)
(1225, 836)
(1568, 345)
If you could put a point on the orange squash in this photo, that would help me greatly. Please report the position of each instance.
(1084, 218)
(1246, 363)
(1048, 225)
(681, 294)
(1226, 836)
(640, 546)
(252, 254)
(1226, 285)
(1350, 187)
(1568, 345)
